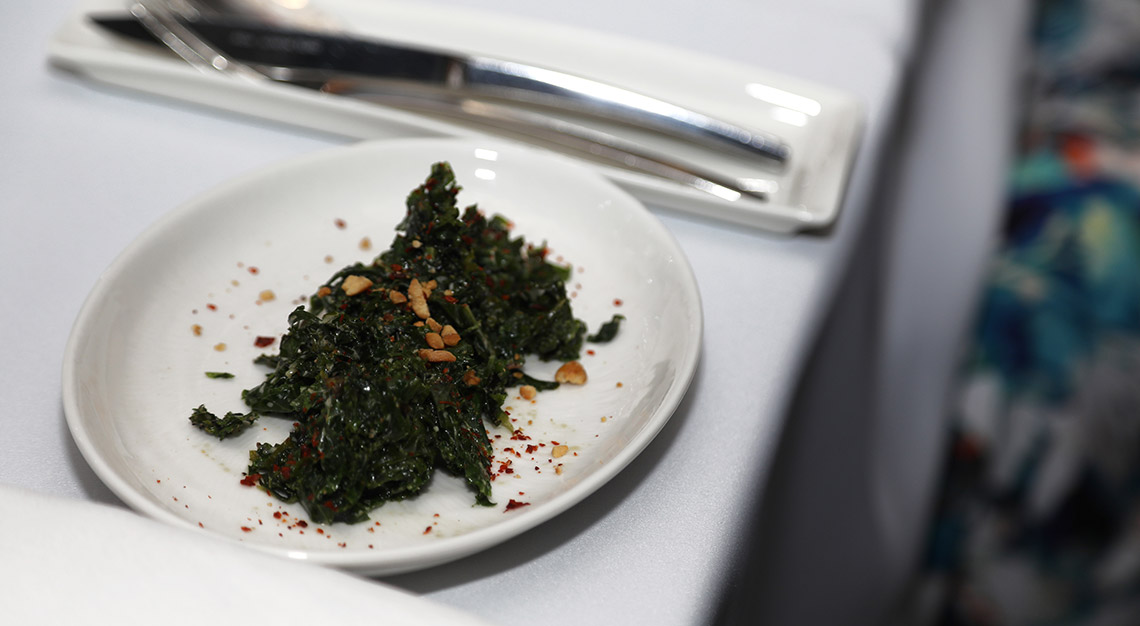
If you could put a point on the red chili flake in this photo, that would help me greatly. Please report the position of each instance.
(340, 223)
(212, 307)
(515, 504)
(451, 299)
(302, 523)
(530, 448)
(590, 352)
(320, 531)
(251, 480)
(246, 529)
(617, 301)
(277, 514)
(264, 342)
(427, 530)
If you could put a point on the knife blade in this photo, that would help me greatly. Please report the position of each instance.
(318, 59)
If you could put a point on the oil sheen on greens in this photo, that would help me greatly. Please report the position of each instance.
(373, 419)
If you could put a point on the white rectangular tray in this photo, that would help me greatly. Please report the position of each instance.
(821, 125)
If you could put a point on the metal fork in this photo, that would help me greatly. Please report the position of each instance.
(171, 23)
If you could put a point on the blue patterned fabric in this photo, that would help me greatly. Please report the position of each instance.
(1039, 517)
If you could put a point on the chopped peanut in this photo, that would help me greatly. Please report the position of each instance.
(434, 325)
(323, 291)
(572, 373)
(436, 356)
(397, 297)
(470, 378)
(559, 450)
(450, 337)
(528, 392)
(418, 299)
(354, 284)
(416, 243)
(434, 340)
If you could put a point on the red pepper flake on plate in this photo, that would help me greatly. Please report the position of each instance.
(515, 504)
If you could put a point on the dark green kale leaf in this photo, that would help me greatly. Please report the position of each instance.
(228, 426)
(608, 330)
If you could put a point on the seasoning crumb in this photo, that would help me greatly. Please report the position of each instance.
(558, 469)
(221, 347)
(354, 284)
(328, 258)
(619, 383)
(449, 335)
(366, 244)
(266, 295)
(418, 299)
(436, 356)
(572, 373)
(340, 223)
(196, 329)
(323, 291)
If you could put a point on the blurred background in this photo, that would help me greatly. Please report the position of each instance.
(986, 469)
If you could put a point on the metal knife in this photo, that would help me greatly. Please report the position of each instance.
(322, 61)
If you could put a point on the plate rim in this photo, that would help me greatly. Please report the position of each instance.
(407, 558)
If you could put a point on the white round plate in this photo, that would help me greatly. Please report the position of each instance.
(196, 290)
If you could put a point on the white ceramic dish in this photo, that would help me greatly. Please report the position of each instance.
(822, 125)
(134, 367)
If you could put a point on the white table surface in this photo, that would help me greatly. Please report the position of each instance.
(84, 169)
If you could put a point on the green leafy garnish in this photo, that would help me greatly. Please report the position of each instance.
(228, 426)
(219, 375)
(608, 330)
(377, 404)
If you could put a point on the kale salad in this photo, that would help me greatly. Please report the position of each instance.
(396, 368)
